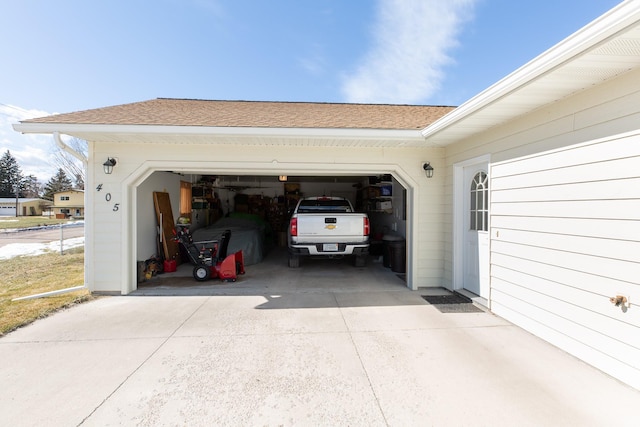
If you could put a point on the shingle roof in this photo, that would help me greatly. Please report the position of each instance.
(4, 200)
(193, 112)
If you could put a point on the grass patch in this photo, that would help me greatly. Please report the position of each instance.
(7, 222)
(28, 275)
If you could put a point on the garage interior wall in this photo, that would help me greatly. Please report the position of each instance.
(146, 220)
(393, 221)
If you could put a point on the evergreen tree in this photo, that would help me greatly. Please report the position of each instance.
(10, 175)
(31, 187)
(57, 183)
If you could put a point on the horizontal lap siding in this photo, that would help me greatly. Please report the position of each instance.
(565, 236)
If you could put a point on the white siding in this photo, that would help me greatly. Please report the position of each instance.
(607, 109)
(133, 178)
(565, 230)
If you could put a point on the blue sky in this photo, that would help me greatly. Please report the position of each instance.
(70, 55)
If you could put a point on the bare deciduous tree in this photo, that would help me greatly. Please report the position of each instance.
(70, 165)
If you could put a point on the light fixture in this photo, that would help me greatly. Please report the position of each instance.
(282, 178)
(108, 165)
(428, 169)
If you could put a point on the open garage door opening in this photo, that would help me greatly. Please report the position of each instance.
(257, 210)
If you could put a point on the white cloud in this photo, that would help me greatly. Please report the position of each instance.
(32, 152)
(413, 39)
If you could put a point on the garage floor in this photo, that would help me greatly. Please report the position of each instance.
(273, 275)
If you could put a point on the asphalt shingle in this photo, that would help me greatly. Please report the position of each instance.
(193, 112)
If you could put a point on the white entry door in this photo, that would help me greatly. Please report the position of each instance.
(476, 234)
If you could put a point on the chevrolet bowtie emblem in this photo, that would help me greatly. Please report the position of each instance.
(330, 226)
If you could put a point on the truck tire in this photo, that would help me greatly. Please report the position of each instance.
(361, 260)
(294, 261)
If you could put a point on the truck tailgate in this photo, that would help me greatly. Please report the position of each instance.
(342, 227)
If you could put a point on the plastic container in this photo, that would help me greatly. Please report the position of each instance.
(170, 265)
(398, 255)
(387, 240)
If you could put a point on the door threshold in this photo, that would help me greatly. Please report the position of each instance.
(475, 299)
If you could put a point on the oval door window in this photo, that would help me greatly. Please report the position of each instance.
(479, 206)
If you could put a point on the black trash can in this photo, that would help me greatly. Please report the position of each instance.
(398, 253)
(387, 241)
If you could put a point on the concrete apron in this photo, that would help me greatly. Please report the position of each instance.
(316, 274)
(363, 353)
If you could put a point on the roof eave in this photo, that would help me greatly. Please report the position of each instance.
(71, 129)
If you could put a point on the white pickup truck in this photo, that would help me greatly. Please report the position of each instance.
(327, 226)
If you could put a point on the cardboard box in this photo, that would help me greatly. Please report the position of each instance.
(371, 192)
(292, 188)
(384, 205)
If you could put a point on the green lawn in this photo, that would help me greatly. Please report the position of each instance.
(29, 275)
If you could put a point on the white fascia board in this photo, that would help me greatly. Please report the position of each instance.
(617, 19)
(70, 129)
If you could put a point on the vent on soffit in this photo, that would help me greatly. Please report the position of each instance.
(621, 47)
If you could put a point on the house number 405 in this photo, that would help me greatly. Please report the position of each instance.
(107, 197)
(116, 206)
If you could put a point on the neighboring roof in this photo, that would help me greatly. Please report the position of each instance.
(604, 49)
(72, 190)
(255, 114)
(21, 200)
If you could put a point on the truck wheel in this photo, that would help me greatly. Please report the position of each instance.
(294, 261)
(201, 273)
(361, 260)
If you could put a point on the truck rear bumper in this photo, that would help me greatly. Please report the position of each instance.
(318, 249)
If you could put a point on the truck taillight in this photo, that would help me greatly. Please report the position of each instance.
(293, 226)
(367, 227)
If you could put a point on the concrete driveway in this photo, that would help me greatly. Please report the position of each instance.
(372, 354)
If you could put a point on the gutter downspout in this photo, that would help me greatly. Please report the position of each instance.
(85, 163)
(65, 147)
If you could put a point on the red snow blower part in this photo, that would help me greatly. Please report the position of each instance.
(210, 257)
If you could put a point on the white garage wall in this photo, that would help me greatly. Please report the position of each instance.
(608, 109)
(115, 231)
(103, 223)
(565, 237)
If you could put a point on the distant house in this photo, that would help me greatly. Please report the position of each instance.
(68, 203)
(26, 206)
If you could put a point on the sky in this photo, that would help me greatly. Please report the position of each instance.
(72, 55)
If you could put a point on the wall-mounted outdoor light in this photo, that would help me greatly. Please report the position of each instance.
(282, 178)
(108, 165)
(428, 169)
